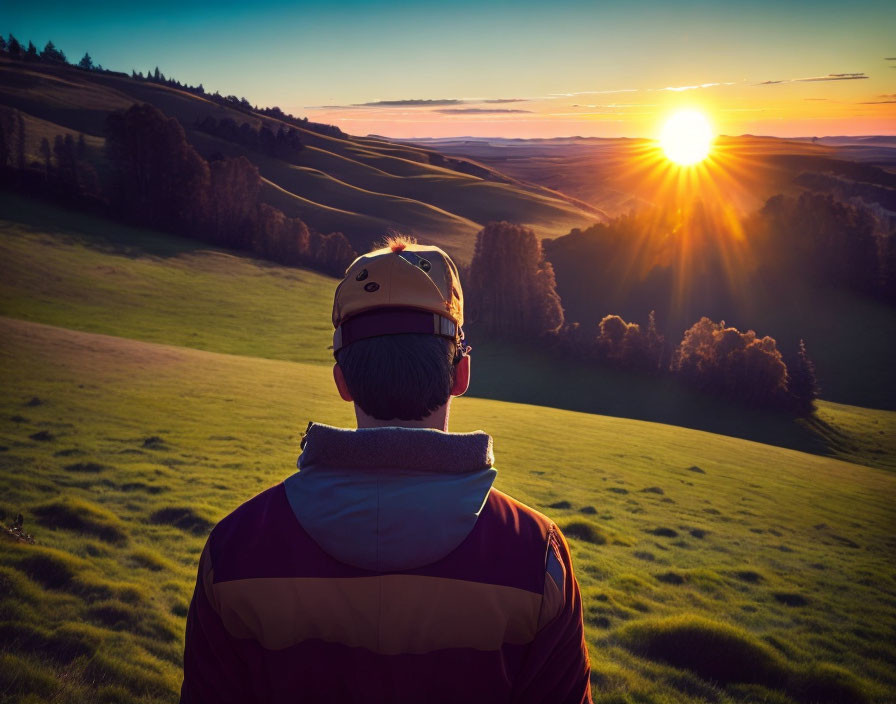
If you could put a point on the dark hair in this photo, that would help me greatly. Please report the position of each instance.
(405, 376)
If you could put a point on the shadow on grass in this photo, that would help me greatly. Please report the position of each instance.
(509, 373)
(94, 231)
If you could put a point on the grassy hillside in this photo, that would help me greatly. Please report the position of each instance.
(77, 271)
(713, 569)
(360, 186)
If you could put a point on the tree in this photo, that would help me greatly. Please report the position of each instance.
(4, 47)
(46, 153)
(156, 76)
(14, 48)
(86, 62)
(12, 140)
(802, 384)
(738, 365)
(159, 178)
(235, 186)
(52, 55)
(31, 52)
(331, 253)
(511, 288)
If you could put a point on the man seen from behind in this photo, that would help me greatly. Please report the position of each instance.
(388, 568)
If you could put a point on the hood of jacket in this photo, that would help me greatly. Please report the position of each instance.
(390, 499)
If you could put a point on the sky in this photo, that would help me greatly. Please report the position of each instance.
(506, 69)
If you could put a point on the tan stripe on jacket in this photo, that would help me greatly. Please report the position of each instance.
(387, 614)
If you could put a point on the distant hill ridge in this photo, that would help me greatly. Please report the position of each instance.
(364, 187)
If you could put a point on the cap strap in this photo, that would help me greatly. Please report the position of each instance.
(395, 321)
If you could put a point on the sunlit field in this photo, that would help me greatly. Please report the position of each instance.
(121, 450)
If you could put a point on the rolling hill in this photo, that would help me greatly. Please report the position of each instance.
(69, 269)
(618, 175)
(363, 187)
(152, 384)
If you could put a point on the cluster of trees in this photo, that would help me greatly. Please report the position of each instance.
(511, 285)
(13, 48)
(616, 343)
(242, 104)
(160, 180)
(832, 242)
(66, 169)
(721, 359)
(512, 293)
(50, 54)
(284, 144)
(157, 76)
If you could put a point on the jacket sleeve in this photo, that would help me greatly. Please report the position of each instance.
(214, 671)
(557, 669)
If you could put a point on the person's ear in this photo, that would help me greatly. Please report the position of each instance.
(461, 376)
(341, 386)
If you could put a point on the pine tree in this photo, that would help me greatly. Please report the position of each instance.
(157, 76)
(4, 47)
(52, 54)
(86, 62)
(31, 52)
(14, 48)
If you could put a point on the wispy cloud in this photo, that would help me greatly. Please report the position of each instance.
(884, 100)
(593, 92)
(505, 100)
(833, 77)
(413, 103)
(678, 89)
(479, 111)
(813, 79)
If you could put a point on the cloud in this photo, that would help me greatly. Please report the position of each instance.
(413, 103)
(592, 92)
(833, 77)
(506, 100)
(886, 98)
(813, 79)
(678, 89)
(479, 111)
(890, 58)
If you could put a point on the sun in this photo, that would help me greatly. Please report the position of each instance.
(686, 137)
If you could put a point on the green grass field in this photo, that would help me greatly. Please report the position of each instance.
(713, 568)
(71, 270)
(122, 454)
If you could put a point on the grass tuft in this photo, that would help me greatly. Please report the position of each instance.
(86, 467)
(560, 504)
(791, 598)
(584, 530)
(184, 518)
(82, 517)
(715, 651)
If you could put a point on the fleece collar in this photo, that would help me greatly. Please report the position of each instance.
(390, 499)
(417, 449)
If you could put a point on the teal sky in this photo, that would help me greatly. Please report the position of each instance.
(303, 57)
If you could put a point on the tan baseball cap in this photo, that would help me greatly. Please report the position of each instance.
(400, 288)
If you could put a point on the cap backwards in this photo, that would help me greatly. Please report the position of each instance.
(404, 287)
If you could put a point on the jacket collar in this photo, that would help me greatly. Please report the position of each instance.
(394, 448)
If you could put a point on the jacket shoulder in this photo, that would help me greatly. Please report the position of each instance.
(523, 519)
(253, 535)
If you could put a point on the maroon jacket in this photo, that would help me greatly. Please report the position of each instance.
(386, 570)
